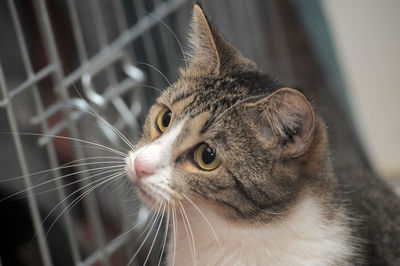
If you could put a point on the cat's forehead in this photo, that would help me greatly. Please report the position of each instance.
(191, 96)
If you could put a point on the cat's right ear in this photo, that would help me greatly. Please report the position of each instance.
(204, 56)
(211, 53)
(287, 115)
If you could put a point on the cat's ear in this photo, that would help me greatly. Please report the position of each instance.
(287, 114)
(211, 53)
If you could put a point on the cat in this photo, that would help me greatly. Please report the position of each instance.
(242, 164)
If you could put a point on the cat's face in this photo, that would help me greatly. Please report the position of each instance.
(224, 134)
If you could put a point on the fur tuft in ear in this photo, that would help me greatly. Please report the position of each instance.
(211, 53)
(290, 116)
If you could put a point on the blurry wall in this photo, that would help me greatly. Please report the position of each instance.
(366, 35)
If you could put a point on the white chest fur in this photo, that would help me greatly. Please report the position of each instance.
(303, 237)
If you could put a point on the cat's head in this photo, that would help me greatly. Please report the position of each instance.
(227, 135)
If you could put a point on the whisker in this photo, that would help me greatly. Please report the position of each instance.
(69, 138)
(98, 148)
(187, 234)
(165, 236)
(97, 116)
(147, 235)
(81, 188)
(149, 220)
(237, 103)
(175, 225)
(61, 177)
(66, 165)
(101, 190)
(191, 233)
(173, 33)
(120, 186)
(274, 213)
(206, 220)
(112, 141)
(155, 237)
(119, 133)
(77, 181)
(79, 198)
(152, 87)
(129, 231)
(156, 69)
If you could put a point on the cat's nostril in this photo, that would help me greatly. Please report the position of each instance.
(142, 169)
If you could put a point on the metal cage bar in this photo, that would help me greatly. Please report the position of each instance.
(50, 46)
(50, 148)
(108, 56)
(33, 206)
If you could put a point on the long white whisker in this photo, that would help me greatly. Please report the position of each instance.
(153, 87)
(73, 139)
(150, 221)
(61, 177)
(191, 234)
(122, 174)
(122, 136)
(165, 236)
(114, 143)
(117, 188)
(98, 148)
(206, 220)
(173, 33)
(147, 235)
(239, 102)
(128, 231)
(187, 233)
(97, 116)
(79, 180)
(81, 188)
(155, 237)
(174, 221)
(75, 201)
(66, 165)
(156, 69)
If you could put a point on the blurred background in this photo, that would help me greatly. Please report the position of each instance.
(366, 38)
(67, 67)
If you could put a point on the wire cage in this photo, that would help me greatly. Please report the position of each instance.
(66, 69)
(76, 80)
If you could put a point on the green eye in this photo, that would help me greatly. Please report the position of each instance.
(163, 119)
(206, 157)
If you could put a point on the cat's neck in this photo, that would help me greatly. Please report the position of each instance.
(303, 237)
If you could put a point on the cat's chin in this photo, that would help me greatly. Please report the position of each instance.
(147, 199)
(151, 199)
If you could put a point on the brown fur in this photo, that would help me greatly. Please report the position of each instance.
(271, 142)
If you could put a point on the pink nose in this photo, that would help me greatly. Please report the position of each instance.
(142, 169)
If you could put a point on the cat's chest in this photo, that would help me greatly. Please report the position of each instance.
(300, 240)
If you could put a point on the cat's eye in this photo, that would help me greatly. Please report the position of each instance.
(163, 119)
(206, 157)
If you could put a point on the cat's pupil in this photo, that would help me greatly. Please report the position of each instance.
(166, 119)
(208, 155)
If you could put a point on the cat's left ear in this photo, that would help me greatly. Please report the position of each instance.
(211, 53)
(288, 115)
